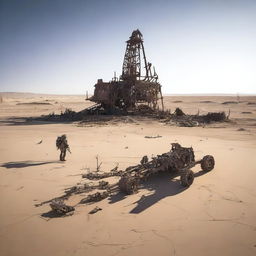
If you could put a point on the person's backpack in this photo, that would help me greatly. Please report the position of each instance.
(58, 142)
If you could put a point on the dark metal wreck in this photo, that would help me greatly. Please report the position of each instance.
(135, 86)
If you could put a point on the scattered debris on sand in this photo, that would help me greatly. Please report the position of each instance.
(229, 102)
(153, 137)
(102, 185)
(33, 103)
(179, 112)
(94, 210)
(241, 129)
(178, 117)
(206, 101)
(97, 175)
(179, 160)
(59, 207)
(96, 197)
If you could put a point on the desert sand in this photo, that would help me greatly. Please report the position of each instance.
(214, 216)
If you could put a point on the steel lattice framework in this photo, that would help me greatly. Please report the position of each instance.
(132, 60)
(137, 84)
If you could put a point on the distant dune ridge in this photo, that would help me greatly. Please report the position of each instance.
(21, 95)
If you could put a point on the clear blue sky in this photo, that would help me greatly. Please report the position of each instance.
(64, 46)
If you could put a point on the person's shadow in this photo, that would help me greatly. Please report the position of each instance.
(23, 164)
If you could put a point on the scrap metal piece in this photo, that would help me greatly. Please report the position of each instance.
(179, 112)
(59, 207)
(144, 160)
(99, 176)
(96, 197)
(95, 209)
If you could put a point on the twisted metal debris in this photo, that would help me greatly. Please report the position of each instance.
(59, 207)
(179, 160)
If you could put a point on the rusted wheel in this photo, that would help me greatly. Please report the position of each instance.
(128, 184)
(187, 178)
(207, 163)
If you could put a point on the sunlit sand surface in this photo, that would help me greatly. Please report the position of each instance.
(215, 216)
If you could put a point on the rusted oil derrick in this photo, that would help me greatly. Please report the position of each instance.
(138, 83)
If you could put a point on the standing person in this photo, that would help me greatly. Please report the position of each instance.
(62, 145)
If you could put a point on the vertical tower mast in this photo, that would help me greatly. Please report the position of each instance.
(132, 62)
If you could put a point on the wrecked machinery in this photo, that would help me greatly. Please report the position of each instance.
(179, 159)
(136, 85)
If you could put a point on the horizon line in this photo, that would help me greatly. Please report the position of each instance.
(166, 94)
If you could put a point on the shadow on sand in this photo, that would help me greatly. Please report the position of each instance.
(52, 214)
(158, 187)
(23, 164)
(161, 186)
(29, 121)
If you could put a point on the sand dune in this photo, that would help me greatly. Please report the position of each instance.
(215, 216)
